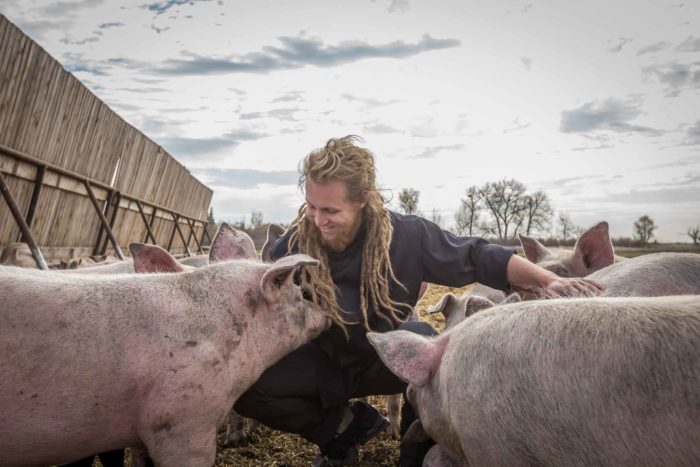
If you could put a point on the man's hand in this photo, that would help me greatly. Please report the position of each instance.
(572, 287)
(532, 281)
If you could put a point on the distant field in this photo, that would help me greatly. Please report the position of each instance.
(631, 252)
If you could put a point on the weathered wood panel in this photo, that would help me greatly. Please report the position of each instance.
(47, 114)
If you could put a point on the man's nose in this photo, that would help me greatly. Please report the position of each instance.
(319, 219)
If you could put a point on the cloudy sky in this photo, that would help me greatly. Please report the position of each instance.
(595, 102)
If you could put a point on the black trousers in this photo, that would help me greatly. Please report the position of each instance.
(109, 459)
(305, 392)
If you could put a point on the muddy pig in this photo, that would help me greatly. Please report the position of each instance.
(584, 381)
(182, 348)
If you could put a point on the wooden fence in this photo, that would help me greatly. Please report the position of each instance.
(47, 117)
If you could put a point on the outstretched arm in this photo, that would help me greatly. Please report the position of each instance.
(529, 277)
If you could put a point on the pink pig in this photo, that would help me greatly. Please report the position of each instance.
(93, 362)
(586, 381)
(593, 251)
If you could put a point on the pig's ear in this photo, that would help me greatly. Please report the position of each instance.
(274, 232)
(152, 258)
(476, 303)
(512, 298)
(415, 434)
(229, 243)
(594, 248)
(534, 250)
(281, 272)
(446, 300)
(411, 357)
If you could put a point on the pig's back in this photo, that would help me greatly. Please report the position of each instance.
(603, 381)
(651, 275)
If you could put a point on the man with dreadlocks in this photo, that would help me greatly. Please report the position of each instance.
(373, 262)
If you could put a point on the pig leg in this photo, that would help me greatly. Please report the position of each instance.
(393, 409)
(182, 446)
(440, 457)
(139, 457)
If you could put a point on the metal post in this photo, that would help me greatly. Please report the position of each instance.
(105, 210)
(172, 234)
(199, 246)
(103, 219)
(150, 223)
(189, 237)
(149, 232)
(23, 227)
(182, 237)
(115, 209)
(38, 180)
(205, 232)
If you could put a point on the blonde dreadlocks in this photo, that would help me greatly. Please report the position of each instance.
(342, 160)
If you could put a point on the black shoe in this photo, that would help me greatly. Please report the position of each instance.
(343, 448)
(326, 460)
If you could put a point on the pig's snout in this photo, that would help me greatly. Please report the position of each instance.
(322, 321)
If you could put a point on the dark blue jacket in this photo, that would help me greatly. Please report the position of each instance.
(420, 251)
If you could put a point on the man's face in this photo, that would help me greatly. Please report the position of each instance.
(336, 218)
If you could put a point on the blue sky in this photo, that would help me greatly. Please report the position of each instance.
(597, 102)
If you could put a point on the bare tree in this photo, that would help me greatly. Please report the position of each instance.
(505, 200)
(408, 200)
(694, 234)
(644, 229)
(537, 213)
(566, 226)
(467, 215)
(436, 217)
(256, 219)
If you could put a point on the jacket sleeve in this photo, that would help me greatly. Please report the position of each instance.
(457, 261)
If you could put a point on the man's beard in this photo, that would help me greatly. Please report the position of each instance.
(338, 242)
(342, 240)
